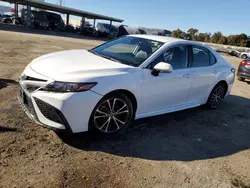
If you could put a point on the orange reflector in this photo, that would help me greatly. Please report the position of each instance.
(85, 87)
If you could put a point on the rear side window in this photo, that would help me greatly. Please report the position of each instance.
(200, 57)
(212, 59)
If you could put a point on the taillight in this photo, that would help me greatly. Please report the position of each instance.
(245, 63)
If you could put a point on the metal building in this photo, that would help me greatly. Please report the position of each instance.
(61, 9)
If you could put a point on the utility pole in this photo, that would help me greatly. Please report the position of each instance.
(60, 2)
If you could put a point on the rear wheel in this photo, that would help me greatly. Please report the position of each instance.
(216, 96)
(241, 79)
(112, 114)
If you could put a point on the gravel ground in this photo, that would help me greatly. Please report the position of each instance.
(191, 148)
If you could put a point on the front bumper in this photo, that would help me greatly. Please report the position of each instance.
(58, 111)
(30, 111)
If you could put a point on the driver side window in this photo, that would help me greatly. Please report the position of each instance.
(176, 56)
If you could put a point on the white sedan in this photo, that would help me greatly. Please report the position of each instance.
(132, 77)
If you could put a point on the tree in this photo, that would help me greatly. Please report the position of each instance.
(207, 37)
(238, 40)
(216, 37)
(201, 37)
(193, 33)
(222, 40)
(231, 40)
(178, 33)
(243, 40)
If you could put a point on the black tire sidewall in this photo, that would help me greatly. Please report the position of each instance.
(93, 128)
(244, 56)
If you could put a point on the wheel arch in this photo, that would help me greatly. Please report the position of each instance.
(129, 94)
(224, 82)
(126, 92)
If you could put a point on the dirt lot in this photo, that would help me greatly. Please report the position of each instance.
(192, 148)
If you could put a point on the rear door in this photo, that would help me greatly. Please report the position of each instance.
(203, 73)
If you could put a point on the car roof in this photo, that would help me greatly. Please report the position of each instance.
(169, 40)
(158, 38)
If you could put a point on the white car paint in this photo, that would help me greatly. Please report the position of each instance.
(168, 92)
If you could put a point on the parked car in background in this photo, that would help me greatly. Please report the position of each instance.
(244, 70)
(40, 20)
(103, 29)
(6, 18)
(55, 21)
(132, 77)
(69, 28)
(87, 29)
(244, 55)
(233, 52)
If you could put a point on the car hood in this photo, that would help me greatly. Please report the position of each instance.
(75, 65)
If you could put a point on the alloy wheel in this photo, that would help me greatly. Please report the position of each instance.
(111, 115)
(217, 96)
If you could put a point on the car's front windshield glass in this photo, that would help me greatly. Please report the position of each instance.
(128, 50)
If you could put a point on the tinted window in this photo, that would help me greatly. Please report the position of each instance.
(176, 56)
(200, 57)
(212, 59)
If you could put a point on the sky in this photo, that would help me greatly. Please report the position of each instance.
(227, 16)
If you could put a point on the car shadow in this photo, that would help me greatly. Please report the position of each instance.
(5, 82)
(188, 135)
(22, 29)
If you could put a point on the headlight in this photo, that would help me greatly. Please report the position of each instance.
(69, 87)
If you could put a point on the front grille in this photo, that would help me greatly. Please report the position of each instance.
(51, 112)
(35, 79)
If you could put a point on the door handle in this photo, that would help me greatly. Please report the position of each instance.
(186, 75)
(215, 71)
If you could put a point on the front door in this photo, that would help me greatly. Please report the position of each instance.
(167, 90)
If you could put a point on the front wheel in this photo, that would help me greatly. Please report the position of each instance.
(112, 114)
(216, 96)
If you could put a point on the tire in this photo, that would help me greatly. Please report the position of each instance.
(216, 96)
(112, 114)
(244, 56)
(241, 79)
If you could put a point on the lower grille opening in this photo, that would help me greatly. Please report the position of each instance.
(50, 112)
(27, 102)
(32, 88)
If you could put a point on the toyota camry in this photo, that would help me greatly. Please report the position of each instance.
(104, 89)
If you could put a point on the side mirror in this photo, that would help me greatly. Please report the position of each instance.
(162, 67)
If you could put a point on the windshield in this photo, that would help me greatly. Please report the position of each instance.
(128, 50)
